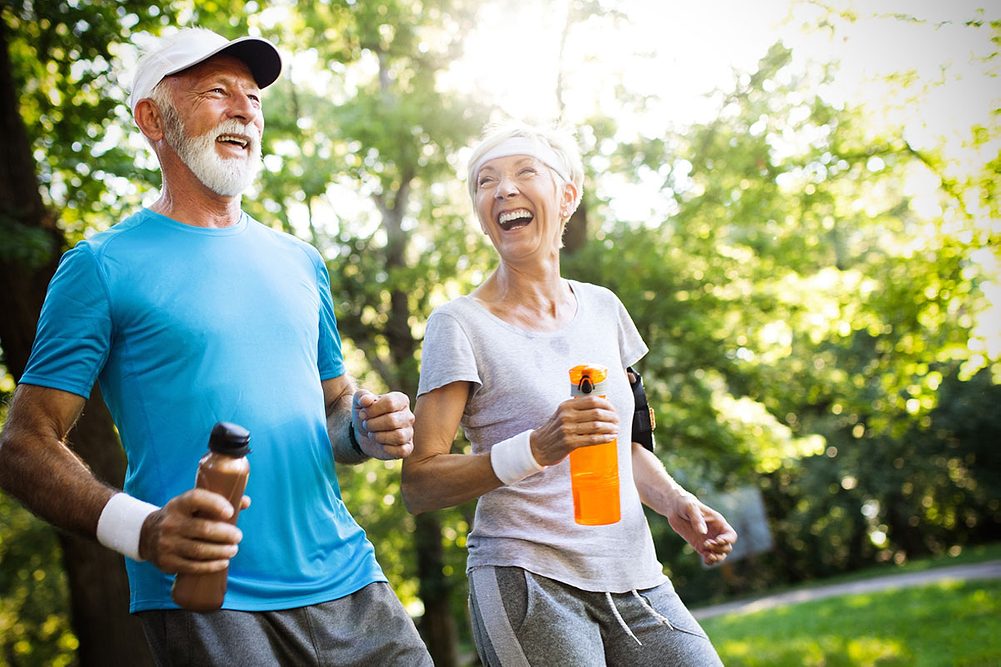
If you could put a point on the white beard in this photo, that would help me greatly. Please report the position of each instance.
(228, 177)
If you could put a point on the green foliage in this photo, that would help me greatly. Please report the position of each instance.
(807, 327)
(29, 246)
(372, 492)
(34, 625)
(943, 624)
(63, 57)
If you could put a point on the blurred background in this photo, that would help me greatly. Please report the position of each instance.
(796, 201)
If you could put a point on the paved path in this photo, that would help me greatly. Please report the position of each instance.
(988, 570)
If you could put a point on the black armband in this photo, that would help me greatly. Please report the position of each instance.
(354, 440)
(643, 419)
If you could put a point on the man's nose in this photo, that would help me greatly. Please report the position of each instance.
(243, 108)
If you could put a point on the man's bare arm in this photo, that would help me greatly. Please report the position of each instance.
(37, 467)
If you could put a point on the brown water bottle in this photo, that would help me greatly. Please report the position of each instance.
(594, 470)
(224, 470)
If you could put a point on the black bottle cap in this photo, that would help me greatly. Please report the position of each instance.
(230, 439)
(586, 386)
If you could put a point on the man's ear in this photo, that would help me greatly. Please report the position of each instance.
(149, 119)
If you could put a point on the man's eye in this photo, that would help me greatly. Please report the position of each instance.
(528, 171)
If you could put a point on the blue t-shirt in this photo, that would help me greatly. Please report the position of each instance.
(186, 326)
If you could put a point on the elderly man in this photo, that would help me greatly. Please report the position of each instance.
(190, 312)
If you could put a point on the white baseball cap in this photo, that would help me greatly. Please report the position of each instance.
(194, 45)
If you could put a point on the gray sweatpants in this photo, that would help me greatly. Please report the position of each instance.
(368, 627)
(521, 619)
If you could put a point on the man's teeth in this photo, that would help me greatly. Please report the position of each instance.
(233, 139)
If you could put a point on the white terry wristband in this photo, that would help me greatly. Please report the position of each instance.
(512, 459)
(121, 523)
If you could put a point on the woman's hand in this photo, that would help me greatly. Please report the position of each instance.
(577, 422)
(702, 527)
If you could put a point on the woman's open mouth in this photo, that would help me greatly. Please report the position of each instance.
(509, 220)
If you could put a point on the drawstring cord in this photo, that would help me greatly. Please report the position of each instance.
(660, 618)
(653, 612)
(618, 617)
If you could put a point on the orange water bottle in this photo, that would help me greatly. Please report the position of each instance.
(594, 470)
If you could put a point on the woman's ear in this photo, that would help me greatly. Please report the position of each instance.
(569, 201)
(149, 120)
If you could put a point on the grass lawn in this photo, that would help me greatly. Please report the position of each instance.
(947, 624)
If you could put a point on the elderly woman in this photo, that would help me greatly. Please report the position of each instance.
(545, 590)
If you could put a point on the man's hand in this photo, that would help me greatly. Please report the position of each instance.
(702, 527)
(191, 534)
(383, 423)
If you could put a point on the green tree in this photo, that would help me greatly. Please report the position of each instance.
(803, 319)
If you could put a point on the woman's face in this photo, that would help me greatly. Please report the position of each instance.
(519, 202)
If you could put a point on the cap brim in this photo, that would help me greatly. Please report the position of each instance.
(259, 55)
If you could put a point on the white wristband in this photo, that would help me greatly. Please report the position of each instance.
(121, 523)
(512, 459)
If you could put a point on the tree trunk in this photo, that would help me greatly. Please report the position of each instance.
(437, 625)
(108, 635)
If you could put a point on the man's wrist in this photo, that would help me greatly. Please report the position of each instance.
(355, 445)
(120, 525)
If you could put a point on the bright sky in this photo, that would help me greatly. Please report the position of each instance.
(678, 53)
(675, 51)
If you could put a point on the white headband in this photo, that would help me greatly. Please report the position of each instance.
(523, 146)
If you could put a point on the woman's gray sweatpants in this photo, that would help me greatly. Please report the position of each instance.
(522, 619)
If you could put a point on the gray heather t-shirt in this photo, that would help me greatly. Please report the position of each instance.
(518, 379)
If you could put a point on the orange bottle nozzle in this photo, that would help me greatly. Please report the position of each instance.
(585, 377)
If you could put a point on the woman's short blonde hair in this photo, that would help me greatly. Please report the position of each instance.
(560, 141)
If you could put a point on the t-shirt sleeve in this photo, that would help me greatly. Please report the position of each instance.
(631, 345)
(330, 360)
(447, 354)
(74, 329)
